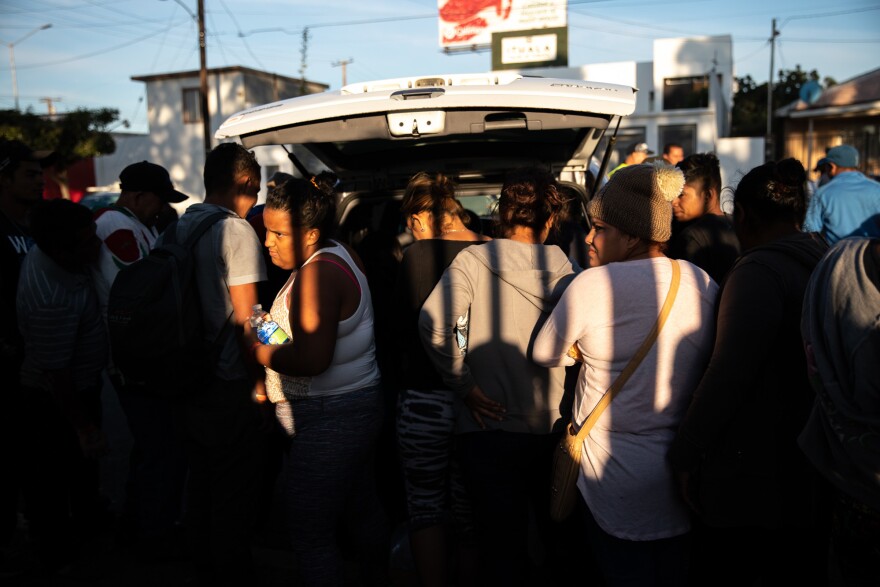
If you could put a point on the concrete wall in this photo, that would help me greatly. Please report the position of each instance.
(179, 146)
(672, 58)
(130, 148)
(686, 57)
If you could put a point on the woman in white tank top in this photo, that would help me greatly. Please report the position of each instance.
(328, 378)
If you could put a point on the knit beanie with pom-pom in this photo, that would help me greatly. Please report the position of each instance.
(638, 200)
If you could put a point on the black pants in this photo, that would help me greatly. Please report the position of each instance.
(224, 445)
(62, 485)
(507, 476)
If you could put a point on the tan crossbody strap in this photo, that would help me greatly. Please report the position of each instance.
(637, 358)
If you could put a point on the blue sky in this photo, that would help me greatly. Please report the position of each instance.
(87, 57)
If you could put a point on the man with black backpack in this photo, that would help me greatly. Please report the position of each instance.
(157, 467)
(222, 419)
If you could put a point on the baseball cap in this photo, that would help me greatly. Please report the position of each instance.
(149, 177)
(843, 156)
(820, 163)
(642, 148)
(13, 152)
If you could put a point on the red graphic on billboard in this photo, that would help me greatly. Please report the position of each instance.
(462, 20)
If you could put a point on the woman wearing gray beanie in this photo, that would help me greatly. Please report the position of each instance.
(636, 523)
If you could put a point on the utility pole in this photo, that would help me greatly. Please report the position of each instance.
(12, 59)
(343, 63)
(203, 80)
(769, 152)
(50, 104)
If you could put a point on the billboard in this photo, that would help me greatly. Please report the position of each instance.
(535, 48)
(465, 23)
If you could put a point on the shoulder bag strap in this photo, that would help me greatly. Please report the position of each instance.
(637, 358)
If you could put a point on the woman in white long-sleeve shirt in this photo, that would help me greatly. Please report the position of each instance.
(637, 524)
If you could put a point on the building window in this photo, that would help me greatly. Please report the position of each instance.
(192, 110)
(680, 134)
(686, 92)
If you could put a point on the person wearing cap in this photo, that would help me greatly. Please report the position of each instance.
(127, 229)
(735, 455)
(849, 204)
(21, 186)
(635, 521)
(636, 156)
(157, 469)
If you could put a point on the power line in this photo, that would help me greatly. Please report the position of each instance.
(128, 43)
(243, 40)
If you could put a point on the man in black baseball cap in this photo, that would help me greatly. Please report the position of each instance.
(149, 177)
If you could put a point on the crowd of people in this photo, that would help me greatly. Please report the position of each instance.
(740, 448)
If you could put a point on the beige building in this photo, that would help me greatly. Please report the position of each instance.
(848, 113)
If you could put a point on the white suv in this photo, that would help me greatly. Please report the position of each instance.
(473, 128)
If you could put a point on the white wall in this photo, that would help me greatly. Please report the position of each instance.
(679, 57)
(738, 156)
(685, 57)
(130, 148)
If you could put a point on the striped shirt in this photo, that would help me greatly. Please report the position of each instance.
(62, 327)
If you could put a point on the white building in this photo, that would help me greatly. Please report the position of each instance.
(175, 139)
(685, 97)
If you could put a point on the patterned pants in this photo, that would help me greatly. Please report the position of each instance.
(432, 478)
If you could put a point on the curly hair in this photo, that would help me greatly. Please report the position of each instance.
(529, 197)
(311, 202)
(703, 167)
(775, 191)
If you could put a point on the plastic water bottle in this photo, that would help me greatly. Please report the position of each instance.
(267, 329)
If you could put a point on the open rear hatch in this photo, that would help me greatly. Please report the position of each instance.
(471, 127)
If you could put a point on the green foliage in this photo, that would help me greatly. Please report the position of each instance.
(749, 116)
(73, 136)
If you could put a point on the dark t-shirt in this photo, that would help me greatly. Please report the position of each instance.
(14, 245)
(421, 268)
(709, 242)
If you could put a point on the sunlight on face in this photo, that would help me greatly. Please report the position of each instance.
(606, 244)
(286, 243)
(691, 204)
(675, 155)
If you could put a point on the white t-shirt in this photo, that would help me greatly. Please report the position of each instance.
(609, 311)
(124, 240)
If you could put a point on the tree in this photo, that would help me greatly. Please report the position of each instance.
(73, 136)
(749, 116)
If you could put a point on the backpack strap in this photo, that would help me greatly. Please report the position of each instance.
(200, 229)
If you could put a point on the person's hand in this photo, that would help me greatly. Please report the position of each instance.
(258, 394)
(482, 406)
(249, 334)
(93, 443)
(685, 489)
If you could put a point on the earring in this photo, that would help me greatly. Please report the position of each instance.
(422, 229)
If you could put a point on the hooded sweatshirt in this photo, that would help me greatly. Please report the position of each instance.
(509, 288)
